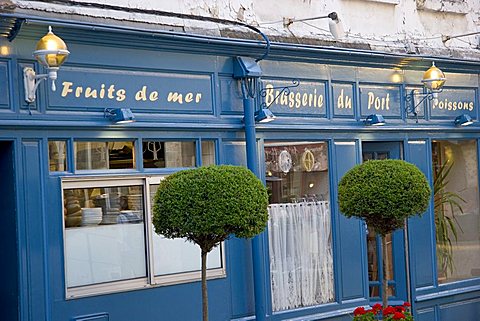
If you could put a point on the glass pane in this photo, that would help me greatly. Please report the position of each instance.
(57, 155)
(457, 215)
(374, 257)
(300, 236)
(374, 291)
(297, 172)
(178, 255)
(104, 234)
(208, 153)
(168, 154)
(104, 155)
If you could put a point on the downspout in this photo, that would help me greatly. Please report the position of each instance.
(248, 72)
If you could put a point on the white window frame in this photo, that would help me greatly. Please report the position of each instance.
(139, 283)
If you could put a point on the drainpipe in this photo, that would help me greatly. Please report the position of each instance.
(248, 72)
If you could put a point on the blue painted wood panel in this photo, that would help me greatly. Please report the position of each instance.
(421, 229)
(4, 86)
(95, 317)
(425, 315)
(351, 237)
(420, 107)
(35, 251)
(230, 95)
(239, 251)
(464, 311)
(181, 302)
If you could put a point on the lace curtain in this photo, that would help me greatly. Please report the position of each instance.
(301, 259)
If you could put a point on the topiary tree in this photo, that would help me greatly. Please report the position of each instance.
(384, 193)
(208, 204)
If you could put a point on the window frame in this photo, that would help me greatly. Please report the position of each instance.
(150, 280)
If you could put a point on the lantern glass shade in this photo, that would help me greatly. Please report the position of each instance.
(434, 78)
(51, 51)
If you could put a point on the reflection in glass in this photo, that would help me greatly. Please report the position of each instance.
(104, 155)
(457, 215)
(208, 152)
(178, 255)
(297, 172)
(104, 234)
(158, 154)
(57, 155)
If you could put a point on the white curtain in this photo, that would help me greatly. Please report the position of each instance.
(301, 260)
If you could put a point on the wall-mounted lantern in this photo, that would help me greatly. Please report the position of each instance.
(51, 52)
(433, 81)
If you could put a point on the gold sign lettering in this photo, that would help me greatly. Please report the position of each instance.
(293, 99)
(89, 92)
(344, 101)
(446, 104)
(178, 97)
(378, 103)
(111, 92)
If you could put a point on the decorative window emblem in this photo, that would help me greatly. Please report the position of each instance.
(285, 161)
(308, 160)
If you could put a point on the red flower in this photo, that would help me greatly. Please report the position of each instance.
(371, 311)
(398, 316)
(359, 311)
(377, 307)
(400, 308)
(388, 310)
(406, 304)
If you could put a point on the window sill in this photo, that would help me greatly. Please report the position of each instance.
(446, 291)
(140, 284)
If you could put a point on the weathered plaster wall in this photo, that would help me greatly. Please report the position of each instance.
(404, 26)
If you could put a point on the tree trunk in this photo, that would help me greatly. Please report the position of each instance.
(204, 286)
(384, 268)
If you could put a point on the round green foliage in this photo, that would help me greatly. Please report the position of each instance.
(384, 193)
(207, 204)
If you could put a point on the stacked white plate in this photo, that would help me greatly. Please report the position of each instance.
(135, 201)
(91, 216)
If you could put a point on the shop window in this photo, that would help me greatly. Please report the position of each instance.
(300, 233)
(57, 155)
(104, 233)
(157, 154)
(457, 213)
(104, 155)
(110, 240)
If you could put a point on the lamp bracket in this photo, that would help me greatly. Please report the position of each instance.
(411, 107)
(31, 81)
(283, 91)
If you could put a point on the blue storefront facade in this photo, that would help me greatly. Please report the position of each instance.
(76, 225)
